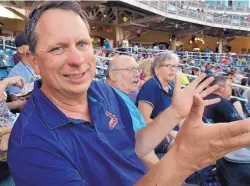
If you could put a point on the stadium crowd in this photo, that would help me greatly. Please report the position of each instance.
(147, 118)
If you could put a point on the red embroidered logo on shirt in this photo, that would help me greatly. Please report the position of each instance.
(113, 120)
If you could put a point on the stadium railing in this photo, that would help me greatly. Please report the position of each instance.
(230, 20)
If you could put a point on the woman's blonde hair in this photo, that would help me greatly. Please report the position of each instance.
(145, 65)
(23, 50)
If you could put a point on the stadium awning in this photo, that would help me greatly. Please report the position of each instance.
(5, 13)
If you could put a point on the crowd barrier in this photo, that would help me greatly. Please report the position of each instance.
(184, 54)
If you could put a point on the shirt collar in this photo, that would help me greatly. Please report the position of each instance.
(160, 85)
(118, 90)
(50, 114)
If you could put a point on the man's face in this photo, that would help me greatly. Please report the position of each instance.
(197, 72)
(226, 90)
(128, 77)
(64, 54)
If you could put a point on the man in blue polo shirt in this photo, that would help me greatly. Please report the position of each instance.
(124, 76)
(73, 131)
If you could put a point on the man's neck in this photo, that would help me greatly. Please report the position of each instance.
(114, 85)
(219, 94)
(72, 106)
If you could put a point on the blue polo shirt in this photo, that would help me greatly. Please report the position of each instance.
(153, 93)
(223, 111)
(48, 148)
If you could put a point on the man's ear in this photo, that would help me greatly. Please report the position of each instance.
(221, 88)
(33, 62)
(112, 75)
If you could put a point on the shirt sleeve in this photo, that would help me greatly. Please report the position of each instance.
(12, 89)
(147, 94)
(40, 166)
(233, 100)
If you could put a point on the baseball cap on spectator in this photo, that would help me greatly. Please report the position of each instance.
(187, 69)
(21, 40)
(195, 68)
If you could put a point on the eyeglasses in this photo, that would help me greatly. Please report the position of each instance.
(226, 85)
(170, 66)
(131, 70)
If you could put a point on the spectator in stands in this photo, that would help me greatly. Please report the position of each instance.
(7, 120)
(247, 70)
(17, 57)
(227, 59)
(183, 78)
(223, 111)
(234, 168)
(163, 69)
(76, 131)
(212, 69)
(6, 117)
(106, 44)
(208, 70)
(22, 69)
(195, 72)
(124, 76)
(246, 95)
(234, 77)
(217, 70)
(143, 77)
(207, 51)
(191, 62)
(145, 65)
(135, 49)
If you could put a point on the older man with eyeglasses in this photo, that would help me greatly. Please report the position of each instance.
(124, 76)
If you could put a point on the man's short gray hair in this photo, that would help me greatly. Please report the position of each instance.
(30, 26)
(161, 58)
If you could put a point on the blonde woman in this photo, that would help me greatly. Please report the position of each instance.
(145, 65)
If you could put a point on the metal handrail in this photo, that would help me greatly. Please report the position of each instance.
(166, 6)
(186, 54)
(215, 7)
